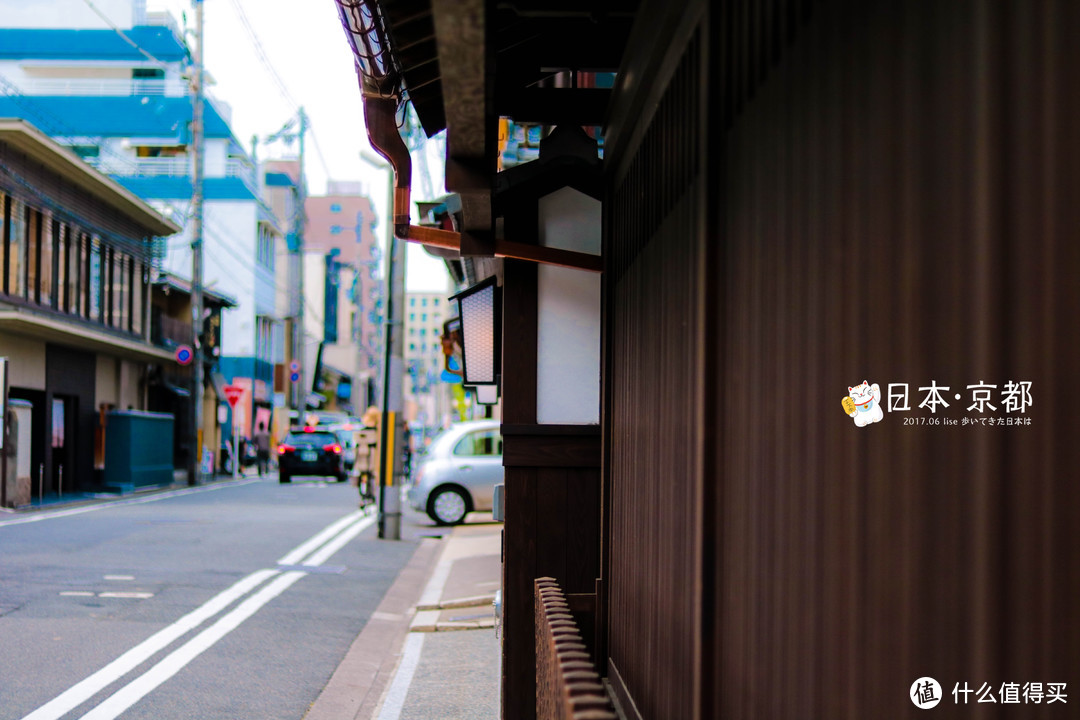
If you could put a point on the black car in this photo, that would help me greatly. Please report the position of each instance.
(311, 451)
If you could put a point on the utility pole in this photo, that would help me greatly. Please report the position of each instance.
(391, 424)
(299, 221)
(195, 425)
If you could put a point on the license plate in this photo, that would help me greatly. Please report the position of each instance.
(309, 456)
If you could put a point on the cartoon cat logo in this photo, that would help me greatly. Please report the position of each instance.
(864, 403)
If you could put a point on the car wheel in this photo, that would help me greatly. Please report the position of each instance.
(447, 506)
(342, 477)
(284, 478)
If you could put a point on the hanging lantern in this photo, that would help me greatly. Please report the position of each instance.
(480, 312)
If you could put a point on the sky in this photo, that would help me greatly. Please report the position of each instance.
(304, 45)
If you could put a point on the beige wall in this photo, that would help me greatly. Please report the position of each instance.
(26, 368)
(129, 385)
(106, 385)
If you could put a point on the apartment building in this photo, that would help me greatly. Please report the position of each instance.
(343, 295)
(427, 396)
(107, 80)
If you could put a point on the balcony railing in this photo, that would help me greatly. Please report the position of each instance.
(167, 167)
(169, 332)
(108, 87)
(159, 18)
(118, 87)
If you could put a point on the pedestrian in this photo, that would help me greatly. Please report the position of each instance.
(262, 448)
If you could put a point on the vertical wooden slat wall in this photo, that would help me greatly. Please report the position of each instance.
(892, 196)
(654, 290)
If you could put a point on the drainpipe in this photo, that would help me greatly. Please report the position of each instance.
(379, 115)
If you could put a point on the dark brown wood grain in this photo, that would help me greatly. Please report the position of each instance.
(889, 192)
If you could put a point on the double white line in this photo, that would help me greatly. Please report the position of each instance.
(317, 550)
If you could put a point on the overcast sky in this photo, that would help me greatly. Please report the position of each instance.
(305, 45)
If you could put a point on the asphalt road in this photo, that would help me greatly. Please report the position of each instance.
(209, 604)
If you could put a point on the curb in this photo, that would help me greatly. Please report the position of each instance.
(475, 601)
(357, 685)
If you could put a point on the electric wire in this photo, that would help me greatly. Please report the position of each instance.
(122, 34)
(275, 77)
(261, 54)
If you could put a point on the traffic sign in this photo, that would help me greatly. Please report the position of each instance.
(295, 377)
(294, 366)
(184, 354)
(233, 393)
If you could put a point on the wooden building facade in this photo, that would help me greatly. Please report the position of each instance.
(799, 196)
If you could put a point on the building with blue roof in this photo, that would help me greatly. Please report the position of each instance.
(114, 91)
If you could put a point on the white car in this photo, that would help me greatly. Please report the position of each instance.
(458, 473)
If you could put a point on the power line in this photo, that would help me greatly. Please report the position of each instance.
(122, 34)
(253, 36)
(319, 152)
(276, 78)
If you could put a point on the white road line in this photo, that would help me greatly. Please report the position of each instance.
(399, 688)
(321, 556)
(176, 660)
(293, 558)
(127, 595)
(119, 577)
(47, 515)
(322, 546)
(83, 691)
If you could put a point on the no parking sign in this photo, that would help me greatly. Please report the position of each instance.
(184, 354)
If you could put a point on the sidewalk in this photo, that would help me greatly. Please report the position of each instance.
(76, 499)
(429, 651)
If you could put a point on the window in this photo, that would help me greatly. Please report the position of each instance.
(14, 245)
(335, 229)
(412, 317)
(335, 207)
(412, 347)
(148, 74)
(481, 443)
(310, 438)
(86, 151)
(59, 232)
(71, 271)
(116, 286)
(93, 286)
(423, 317)
(424, 302)
(32, 269)
(84, 275)
(412, 302)
(138, 288)
(436, 302)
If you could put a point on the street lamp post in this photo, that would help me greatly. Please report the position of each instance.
(393, 371)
